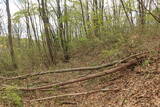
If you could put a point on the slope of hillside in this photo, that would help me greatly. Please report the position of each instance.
(128, 88)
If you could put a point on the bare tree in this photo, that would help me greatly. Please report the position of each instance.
(10, 41)
(1, 29)
(47, 29)
(83, 17)
(141, 8)
(63, 29)
(126, 13)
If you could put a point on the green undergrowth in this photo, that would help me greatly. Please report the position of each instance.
(11, 97)
(108, 47)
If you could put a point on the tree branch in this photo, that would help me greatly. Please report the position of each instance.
(72, 94)
(74, 69)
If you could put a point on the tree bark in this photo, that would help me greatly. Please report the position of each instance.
(141, 4)
(45, 19)
(11, 50)
(130, 22)
(83, 18)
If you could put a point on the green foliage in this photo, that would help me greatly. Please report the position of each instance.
(4, 55)
(75, 2)
(11, 96)
(111, 52)
(18, 15)
(85, 42)
(146, 62)
(77, 42)
(65, 18)
(83, 39)
(33, 10)
(26, 57)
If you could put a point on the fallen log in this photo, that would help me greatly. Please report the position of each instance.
(72, 94)
(123, 66)
(75, 69)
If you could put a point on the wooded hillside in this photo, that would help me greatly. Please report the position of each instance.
(55, 50)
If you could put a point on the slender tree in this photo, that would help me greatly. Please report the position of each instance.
(95, 18)
(63, 29)
(141, 8)
(47, 29)
(126, 13)
(10, 41)
(83, 17)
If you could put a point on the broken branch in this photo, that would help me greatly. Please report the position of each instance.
(74, 69)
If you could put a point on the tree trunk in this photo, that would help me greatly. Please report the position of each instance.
(141, 5)
(63, 30)
(83, 18)
(47, 30)
(123, 5)
(95, 18)
(11, 50)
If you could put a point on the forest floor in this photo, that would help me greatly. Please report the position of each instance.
(125, 89)
(137, 88)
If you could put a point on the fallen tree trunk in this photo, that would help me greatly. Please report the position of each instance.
(123, 66)
(75, 69)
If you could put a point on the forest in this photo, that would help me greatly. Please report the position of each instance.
(79, 53)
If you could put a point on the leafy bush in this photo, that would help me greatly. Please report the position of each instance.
(11, 96)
